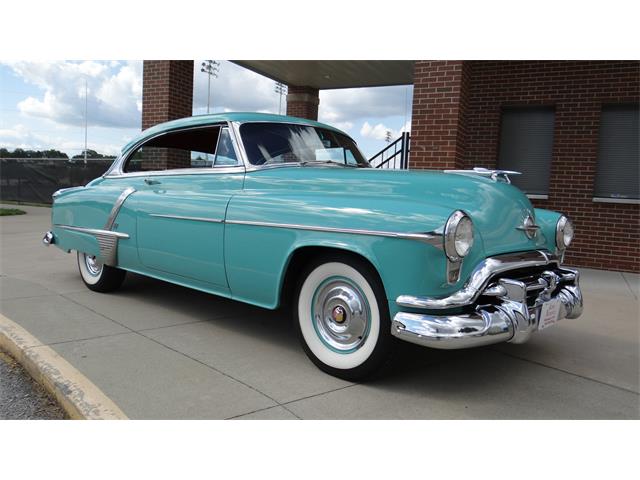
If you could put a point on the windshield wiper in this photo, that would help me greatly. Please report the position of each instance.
(327, 162)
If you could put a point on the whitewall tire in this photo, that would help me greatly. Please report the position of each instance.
(342, 317)
(99, 277)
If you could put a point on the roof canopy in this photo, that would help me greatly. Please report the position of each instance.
(328, 74)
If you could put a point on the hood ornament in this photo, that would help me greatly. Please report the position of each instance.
(529, 226)
(495, 175)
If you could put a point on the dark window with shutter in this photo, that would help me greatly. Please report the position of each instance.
(526, 146)
(618, 156)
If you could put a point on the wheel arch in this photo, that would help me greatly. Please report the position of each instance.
(301, 255)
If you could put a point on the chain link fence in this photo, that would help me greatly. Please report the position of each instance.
(33, 180)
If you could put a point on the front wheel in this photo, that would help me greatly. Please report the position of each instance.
(342, 317)
(97, 276)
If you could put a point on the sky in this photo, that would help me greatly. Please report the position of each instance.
(42, 104)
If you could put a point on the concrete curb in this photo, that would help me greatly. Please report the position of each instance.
(77, 395)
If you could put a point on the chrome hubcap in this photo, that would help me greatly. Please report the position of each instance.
(341, 315)
(94, 267)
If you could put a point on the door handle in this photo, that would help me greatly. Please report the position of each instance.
(149, 181)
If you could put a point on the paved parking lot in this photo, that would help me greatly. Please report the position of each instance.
(163, 351)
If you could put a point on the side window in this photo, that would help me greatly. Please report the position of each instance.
(225, 154)
(191, 148)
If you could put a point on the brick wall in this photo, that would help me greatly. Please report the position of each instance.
(446, 135)
(440, 100)
(303, 102)
(167, 94)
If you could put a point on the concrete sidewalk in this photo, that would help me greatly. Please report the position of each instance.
(163, 351)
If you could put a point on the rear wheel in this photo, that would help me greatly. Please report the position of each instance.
(342, 317)
(97, 276)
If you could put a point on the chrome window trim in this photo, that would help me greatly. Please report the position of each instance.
(93, 231)
(239, 160)
(115, 171)
(184, 217)
(431, 238)
(180, 171)
(237, 142)
(479, 278)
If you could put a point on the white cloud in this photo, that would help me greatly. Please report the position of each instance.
(235, 90)
(377, 132)
(353, 104)
(114, 92)
(19, 136)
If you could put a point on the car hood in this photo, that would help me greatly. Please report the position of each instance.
(496, 208)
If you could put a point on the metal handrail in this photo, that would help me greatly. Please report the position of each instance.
(401, 148)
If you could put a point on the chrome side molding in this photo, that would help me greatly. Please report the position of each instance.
(117, 206)
(107, 241)
(183, 217)
(107, 238)
(431, 238)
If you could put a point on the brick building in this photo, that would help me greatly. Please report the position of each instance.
(570, 126)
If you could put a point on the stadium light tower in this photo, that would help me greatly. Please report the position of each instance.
(281, 90)
(211, 68)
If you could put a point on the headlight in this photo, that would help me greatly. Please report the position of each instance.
(564, 232)
(458, 236)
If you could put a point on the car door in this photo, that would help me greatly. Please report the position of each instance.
(181, 211)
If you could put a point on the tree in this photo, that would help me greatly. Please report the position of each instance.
(90, 154)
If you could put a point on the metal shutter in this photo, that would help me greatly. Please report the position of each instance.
(618, 156)
(526, 145)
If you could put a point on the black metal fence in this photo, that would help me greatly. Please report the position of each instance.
(395, 155)
(33, 180)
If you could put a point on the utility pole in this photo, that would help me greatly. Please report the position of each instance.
(211, 68)
(387, 136)
(281, 90)
(86, 111)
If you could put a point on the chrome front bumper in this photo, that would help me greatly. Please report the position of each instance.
(501, 302)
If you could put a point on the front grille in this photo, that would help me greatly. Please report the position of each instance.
(534, 281)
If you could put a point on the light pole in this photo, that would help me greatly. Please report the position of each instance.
(211, 68)
(281, 89)
(86, 111)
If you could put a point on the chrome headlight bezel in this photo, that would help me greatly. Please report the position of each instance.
(564, 230)
(451, 238)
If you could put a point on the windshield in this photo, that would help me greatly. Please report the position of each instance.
(276, 143)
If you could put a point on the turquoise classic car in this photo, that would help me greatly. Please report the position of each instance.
(276, 211)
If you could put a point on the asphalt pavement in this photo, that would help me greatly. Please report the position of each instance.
(21, 398)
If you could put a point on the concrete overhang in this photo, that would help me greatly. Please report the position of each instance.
(328, 74)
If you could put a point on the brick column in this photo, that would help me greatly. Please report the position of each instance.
(167, 94)
(303, 102)
(438, 123)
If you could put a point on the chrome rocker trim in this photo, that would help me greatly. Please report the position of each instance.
(512, 317)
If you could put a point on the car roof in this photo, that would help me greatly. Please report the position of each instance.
(209, 119)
